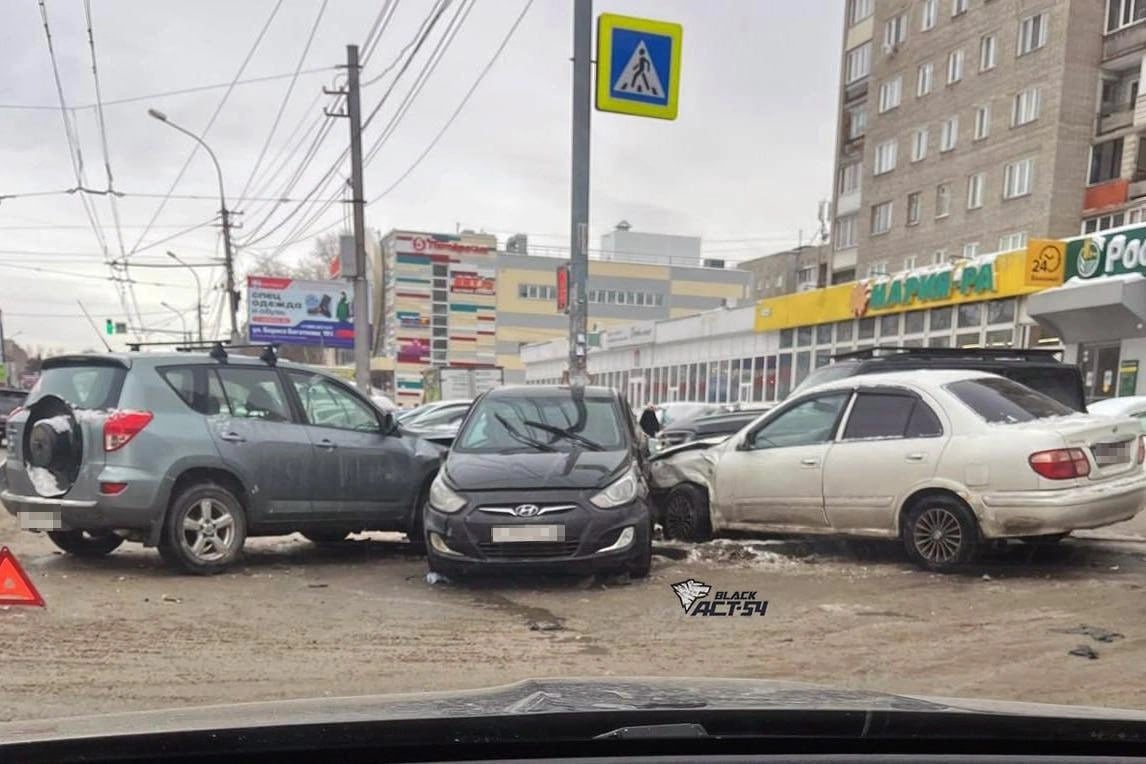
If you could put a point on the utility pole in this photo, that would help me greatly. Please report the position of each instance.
(361, 291)
(579, 206)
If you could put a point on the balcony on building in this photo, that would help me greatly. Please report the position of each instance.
(1119, 96)
(1124, 31)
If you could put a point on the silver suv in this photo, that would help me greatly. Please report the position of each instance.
(194, 452)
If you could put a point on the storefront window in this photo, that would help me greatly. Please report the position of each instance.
(1099, 366)
(758, 379)
(967, 340)
(970, 315)
(1001, 311)
(803, 365)
(784, 376)
(844, 331)
(770, 379)
(1001, 338)
(702, 382)
(683, 386)
(824, 334)
(939, 342)
(785, 338)
(866, 328)
(734, 381)
(804, 336)
(672, 381)
(889, 326)
(915, 343)
(913, 322)
(940, 320)
(823, 358)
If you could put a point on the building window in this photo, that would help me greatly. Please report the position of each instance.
(975, 186)
(1032, 33)
(942, 200)
(1018, 178)
(857, 121)
(1027, 105)
(930, 14)
(970, 315)
(878, 268)
(1123, 13)
(885, 156)
(940, 319)
(923, 78)
(1013, 241)
(857, 63)
(858, 10)
(949, 134)
(919, 140)
(844, 332)
(971, 249)
(954, 66)
(914, 207)
(806, 277)
(913, 322)
(982, 122)
(1105, 161)
(1001, 311)
(909, 263)
(866, 329)
(804, 336)
(849, 178)
(959, 7)
(845, 232)
(880, 218)
(894, 32)
(987, 48)
(890, 93)
(1104, 222)
(889, 326)
(824, 334)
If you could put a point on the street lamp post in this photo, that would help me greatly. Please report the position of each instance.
(182, 319)
(229, 260)
(198, 292)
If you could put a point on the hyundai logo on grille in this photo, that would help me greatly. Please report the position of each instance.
(526, 510)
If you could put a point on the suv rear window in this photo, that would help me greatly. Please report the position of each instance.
(1062, 384)
(82, 386)
(1004, 401)
(9, 401)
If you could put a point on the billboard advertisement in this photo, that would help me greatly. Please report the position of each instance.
(297, 312)
(470, 282)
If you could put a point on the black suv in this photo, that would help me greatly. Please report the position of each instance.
(1038, 369)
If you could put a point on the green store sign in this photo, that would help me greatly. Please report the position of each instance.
(940, 286)
(1107, 254)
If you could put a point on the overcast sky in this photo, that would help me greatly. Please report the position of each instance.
(743, 166)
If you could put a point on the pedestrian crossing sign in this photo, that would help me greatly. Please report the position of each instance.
(638, 66)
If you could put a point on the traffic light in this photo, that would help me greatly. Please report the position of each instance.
(110, 327)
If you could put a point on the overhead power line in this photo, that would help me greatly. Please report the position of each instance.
(438, 136)
(283, 104)
(91, 276)
(211, 121)
(135, 194)
(169, 93)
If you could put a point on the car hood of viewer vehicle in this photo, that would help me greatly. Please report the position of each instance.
(561, 469)
(614, 699)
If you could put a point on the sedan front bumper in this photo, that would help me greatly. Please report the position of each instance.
(1039, 513)
(590, 538)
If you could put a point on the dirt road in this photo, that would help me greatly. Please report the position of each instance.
(295, 621)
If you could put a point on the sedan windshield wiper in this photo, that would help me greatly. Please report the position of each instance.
(520, 437)
(592, 445)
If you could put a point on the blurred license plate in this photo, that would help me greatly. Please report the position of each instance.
(1106, 454)
(510, 533)
(40, 520)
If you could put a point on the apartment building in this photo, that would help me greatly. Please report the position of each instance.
(793, 270)
(966, 126)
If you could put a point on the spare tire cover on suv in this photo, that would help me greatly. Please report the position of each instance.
(53, 446)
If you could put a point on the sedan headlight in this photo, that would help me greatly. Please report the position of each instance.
(620, 491)
(443, 498)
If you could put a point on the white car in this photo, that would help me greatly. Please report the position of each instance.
(940, 459)
(1130, 405)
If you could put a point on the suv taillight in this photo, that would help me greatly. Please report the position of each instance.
(121, 426)
(1061, 463)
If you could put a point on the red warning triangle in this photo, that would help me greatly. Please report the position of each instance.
(15, 586)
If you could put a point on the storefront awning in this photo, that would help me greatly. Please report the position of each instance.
(1105, 309)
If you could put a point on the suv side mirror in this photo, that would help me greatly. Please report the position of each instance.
(745, 443)
(389, 424)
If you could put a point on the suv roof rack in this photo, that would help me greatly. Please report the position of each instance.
(893, 351)
(216, 349)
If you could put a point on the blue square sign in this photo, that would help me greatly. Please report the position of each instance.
(638, 66)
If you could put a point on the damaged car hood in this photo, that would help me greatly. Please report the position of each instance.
(612, 698)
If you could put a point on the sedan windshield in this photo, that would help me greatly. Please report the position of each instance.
(543, 423)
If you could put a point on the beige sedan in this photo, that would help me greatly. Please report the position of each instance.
(941, 459)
